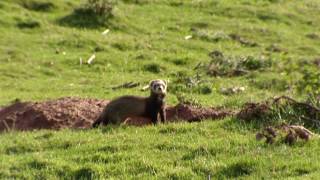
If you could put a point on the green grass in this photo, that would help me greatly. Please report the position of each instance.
(40, 48)
(173, 151)
(143, 35)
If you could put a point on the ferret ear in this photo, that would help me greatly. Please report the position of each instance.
(151, 83)
(165, 82)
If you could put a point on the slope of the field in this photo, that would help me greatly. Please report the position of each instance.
(147, 41)
(41, 45)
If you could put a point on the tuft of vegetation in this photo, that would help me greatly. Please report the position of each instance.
(38, 6)
(28, 24)
(183, 82)
(221, 65)
(310, 82)
(184, 99)
(139, 2)
(102, 8)
(93, 14)
(282, 110)
(153, 68)
(179, 61)
(271, 82)
(210, 36)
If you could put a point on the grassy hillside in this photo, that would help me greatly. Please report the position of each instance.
(274, 42)
(45, 57)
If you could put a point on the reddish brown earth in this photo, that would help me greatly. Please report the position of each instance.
(80, 113)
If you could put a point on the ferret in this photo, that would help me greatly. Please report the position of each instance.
(118, 110)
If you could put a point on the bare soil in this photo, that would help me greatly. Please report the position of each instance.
(72, 112)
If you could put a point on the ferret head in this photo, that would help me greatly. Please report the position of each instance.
(158, 86)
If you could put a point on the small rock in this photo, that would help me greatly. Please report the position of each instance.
(232, 90)
(90, 60)
(105, 32)
(188, 37)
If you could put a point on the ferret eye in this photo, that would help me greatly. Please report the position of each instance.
(155, 87)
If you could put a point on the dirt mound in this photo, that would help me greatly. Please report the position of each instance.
(252, 111)
(284, 107)
(183, 112)
(190, 113)
(53, 114)
(80, 113)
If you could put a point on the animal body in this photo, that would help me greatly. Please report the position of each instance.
(118, 110)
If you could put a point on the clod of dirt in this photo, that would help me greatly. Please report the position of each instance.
(80, 113)
(269, 133)
(288, 134)
(299, 131)
(269, 140)
(259, 136)
(296, 132)
(317, 62)
(290, 138)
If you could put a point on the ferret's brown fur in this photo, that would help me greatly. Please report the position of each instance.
(118, 110)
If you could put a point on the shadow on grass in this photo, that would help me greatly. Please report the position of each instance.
(153, 68)
(45, 136)
(237, 170)
(235, 124)
(85, 18)
(84, 173)
(28, 24)
(37, 164)
(202, 151)
(174, 130)
(19, 149)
